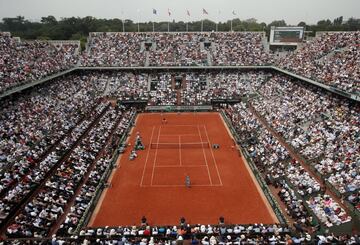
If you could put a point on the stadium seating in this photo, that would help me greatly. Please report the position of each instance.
(178, 49)
(325, 135)
(115, 49)
(25, 61)
(58, 139)
(175, 49)
(331, 58)
(239, 48)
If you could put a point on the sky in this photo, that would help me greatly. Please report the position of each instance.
(292, 11)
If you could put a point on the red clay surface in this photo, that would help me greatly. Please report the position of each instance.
(154, 183)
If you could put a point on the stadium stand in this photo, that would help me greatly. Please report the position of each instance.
(115, 49)
(178, 49)
(58, 140)
(25, 61)
(239, 48)
(275, 162)
(325, 135)
(331, 58)
(175, 49)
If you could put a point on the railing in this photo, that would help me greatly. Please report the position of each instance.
(353, 212)
(272, 201)
(173, 108)
(218, 230)
(25, 85)
(336, 229)
(87, 214)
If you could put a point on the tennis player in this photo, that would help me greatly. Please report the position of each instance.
(187, 181)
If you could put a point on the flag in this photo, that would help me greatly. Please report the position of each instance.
(233, 12)
(188, 12)
(154, 11)
(204, 11)
(169, 13)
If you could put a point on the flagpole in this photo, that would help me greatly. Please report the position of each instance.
(187, 22)
(153, 27)
(169, 20)
(231, 22)
(138, 24)
(202, 21)
(122, 21)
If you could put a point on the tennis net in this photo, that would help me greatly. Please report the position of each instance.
(180, 145)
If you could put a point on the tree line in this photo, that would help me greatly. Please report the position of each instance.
(76, 28)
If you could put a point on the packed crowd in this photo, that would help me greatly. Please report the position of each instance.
(32, 176)
(115, 49)
(36, 129)
(190, 88)
(239, 48)
(178, 49)
(25, 61)
(175, 49)
(68, 117)
(96, 180)
(202, 88)
(204, 234)
(47, 207)
(332, 58)
(155, 89)
(322, 128)
(275, 164)
(196, 235)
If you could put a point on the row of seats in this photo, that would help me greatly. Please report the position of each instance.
(195, 88)
(46, 208)
(331, 58)
(274, 162)
(25, 61)
(48, 121)
(196, 235)
(322, 128)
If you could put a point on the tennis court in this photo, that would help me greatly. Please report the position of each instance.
(177, 151)
(154, 183)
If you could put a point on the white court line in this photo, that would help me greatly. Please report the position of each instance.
(156, 151)
(175, 135)
(206, 185)
(212, 153)
(180, 149)
(147, 157)
(207, 165)
(181, 125)
(177, 166)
